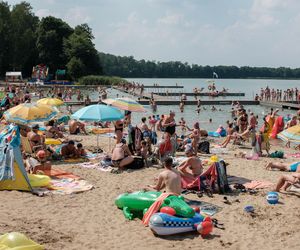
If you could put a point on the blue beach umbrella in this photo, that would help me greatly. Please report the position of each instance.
(98, 112)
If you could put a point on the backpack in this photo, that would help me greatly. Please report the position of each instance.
(204, 147)
(222, 180)
(137, 163)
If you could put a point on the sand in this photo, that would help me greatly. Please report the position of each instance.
(90, 220)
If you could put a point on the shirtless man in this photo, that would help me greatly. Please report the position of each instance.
(169, 179)
(75, 127)
(35, 139)
(192, 167)
(69, 150)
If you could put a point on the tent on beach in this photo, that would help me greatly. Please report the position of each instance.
(13, 175)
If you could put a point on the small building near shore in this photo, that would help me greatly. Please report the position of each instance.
(14, 76)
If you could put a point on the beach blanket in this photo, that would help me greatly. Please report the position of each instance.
(98, 166)
(256, 184)
(60, 174)
(295, 155)
(74, 160)
(155, 207)
(69, 186)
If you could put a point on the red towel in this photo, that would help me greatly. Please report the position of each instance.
(155, 207)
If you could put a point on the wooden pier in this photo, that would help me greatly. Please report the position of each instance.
(281, 105)
(198, 94)
(176, 102)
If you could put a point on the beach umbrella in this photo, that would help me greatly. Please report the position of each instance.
(125, 104)
(291, 135)
(51, 101)
(98, 112)
(30, 113)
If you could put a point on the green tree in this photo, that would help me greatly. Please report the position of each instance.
(5, 36)
(76, 68)
(24, 24)
(80, 50)
(51, 34)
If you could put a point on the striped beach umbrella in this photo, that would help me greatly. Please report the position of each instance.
(125, 104)
(291, 135)
(30, 113)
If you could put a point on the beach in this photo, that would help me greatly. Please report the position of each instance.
(90, 220)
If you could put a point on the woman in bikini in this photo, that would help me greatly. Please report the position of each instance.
(119, 126)
(121, 155)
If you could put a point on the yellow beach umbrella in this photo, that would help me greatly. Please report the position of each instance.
(51, 101)
(29, 113)
(291, 134)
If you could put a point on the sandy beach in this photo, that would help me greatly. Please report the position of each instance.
(90, 220)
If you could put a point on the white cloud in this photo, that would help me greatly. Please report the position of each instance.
(171, 19)
(43, 13)
(77, 15)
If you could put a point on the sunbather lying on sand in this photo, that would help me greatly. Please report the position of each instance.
(169, 179)
(290, 167)
(287, 180)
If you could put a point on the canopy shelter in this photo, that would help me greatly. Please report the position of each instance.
(13, 175)
(14, 76)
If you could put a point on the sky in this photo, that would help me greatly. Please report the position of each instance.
(205, 32)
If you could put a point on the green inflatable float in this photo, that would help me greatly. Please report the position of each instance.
(137, 203)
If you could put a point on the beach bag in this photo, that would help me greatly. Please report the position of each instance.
(204, 147)
(137, 163)
(222, 181)
(277, 154)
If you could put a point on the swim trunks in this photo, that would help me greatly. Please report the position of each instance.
(294, 166)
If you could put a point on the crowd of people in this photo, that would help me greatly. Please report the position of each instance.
(278, 95)
(155, 138)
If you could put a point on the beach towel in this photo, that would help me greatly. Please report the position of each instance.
(69, 186)
(155, 207)
(295, 155)
(256, 184)
(205, 180)
(60, 174)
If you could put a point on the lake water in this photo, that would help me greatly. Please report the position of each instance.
(247, 86)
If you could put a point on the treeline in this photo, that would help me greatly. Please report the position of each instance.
(127, 66)
(26, 41)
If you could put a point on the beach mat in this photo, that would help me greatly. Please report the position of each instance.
(257, 184)
(60, 174)
(69, 186)
(205, 207)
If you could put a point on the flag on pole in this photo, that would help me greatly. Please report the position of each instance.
(215, 75)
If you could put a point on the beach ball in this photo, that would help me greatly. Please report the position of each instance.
(205, 228)
(272, 197)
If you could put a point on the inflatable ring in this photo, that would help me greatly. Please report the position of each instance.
(52, 141)
(37, 180)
